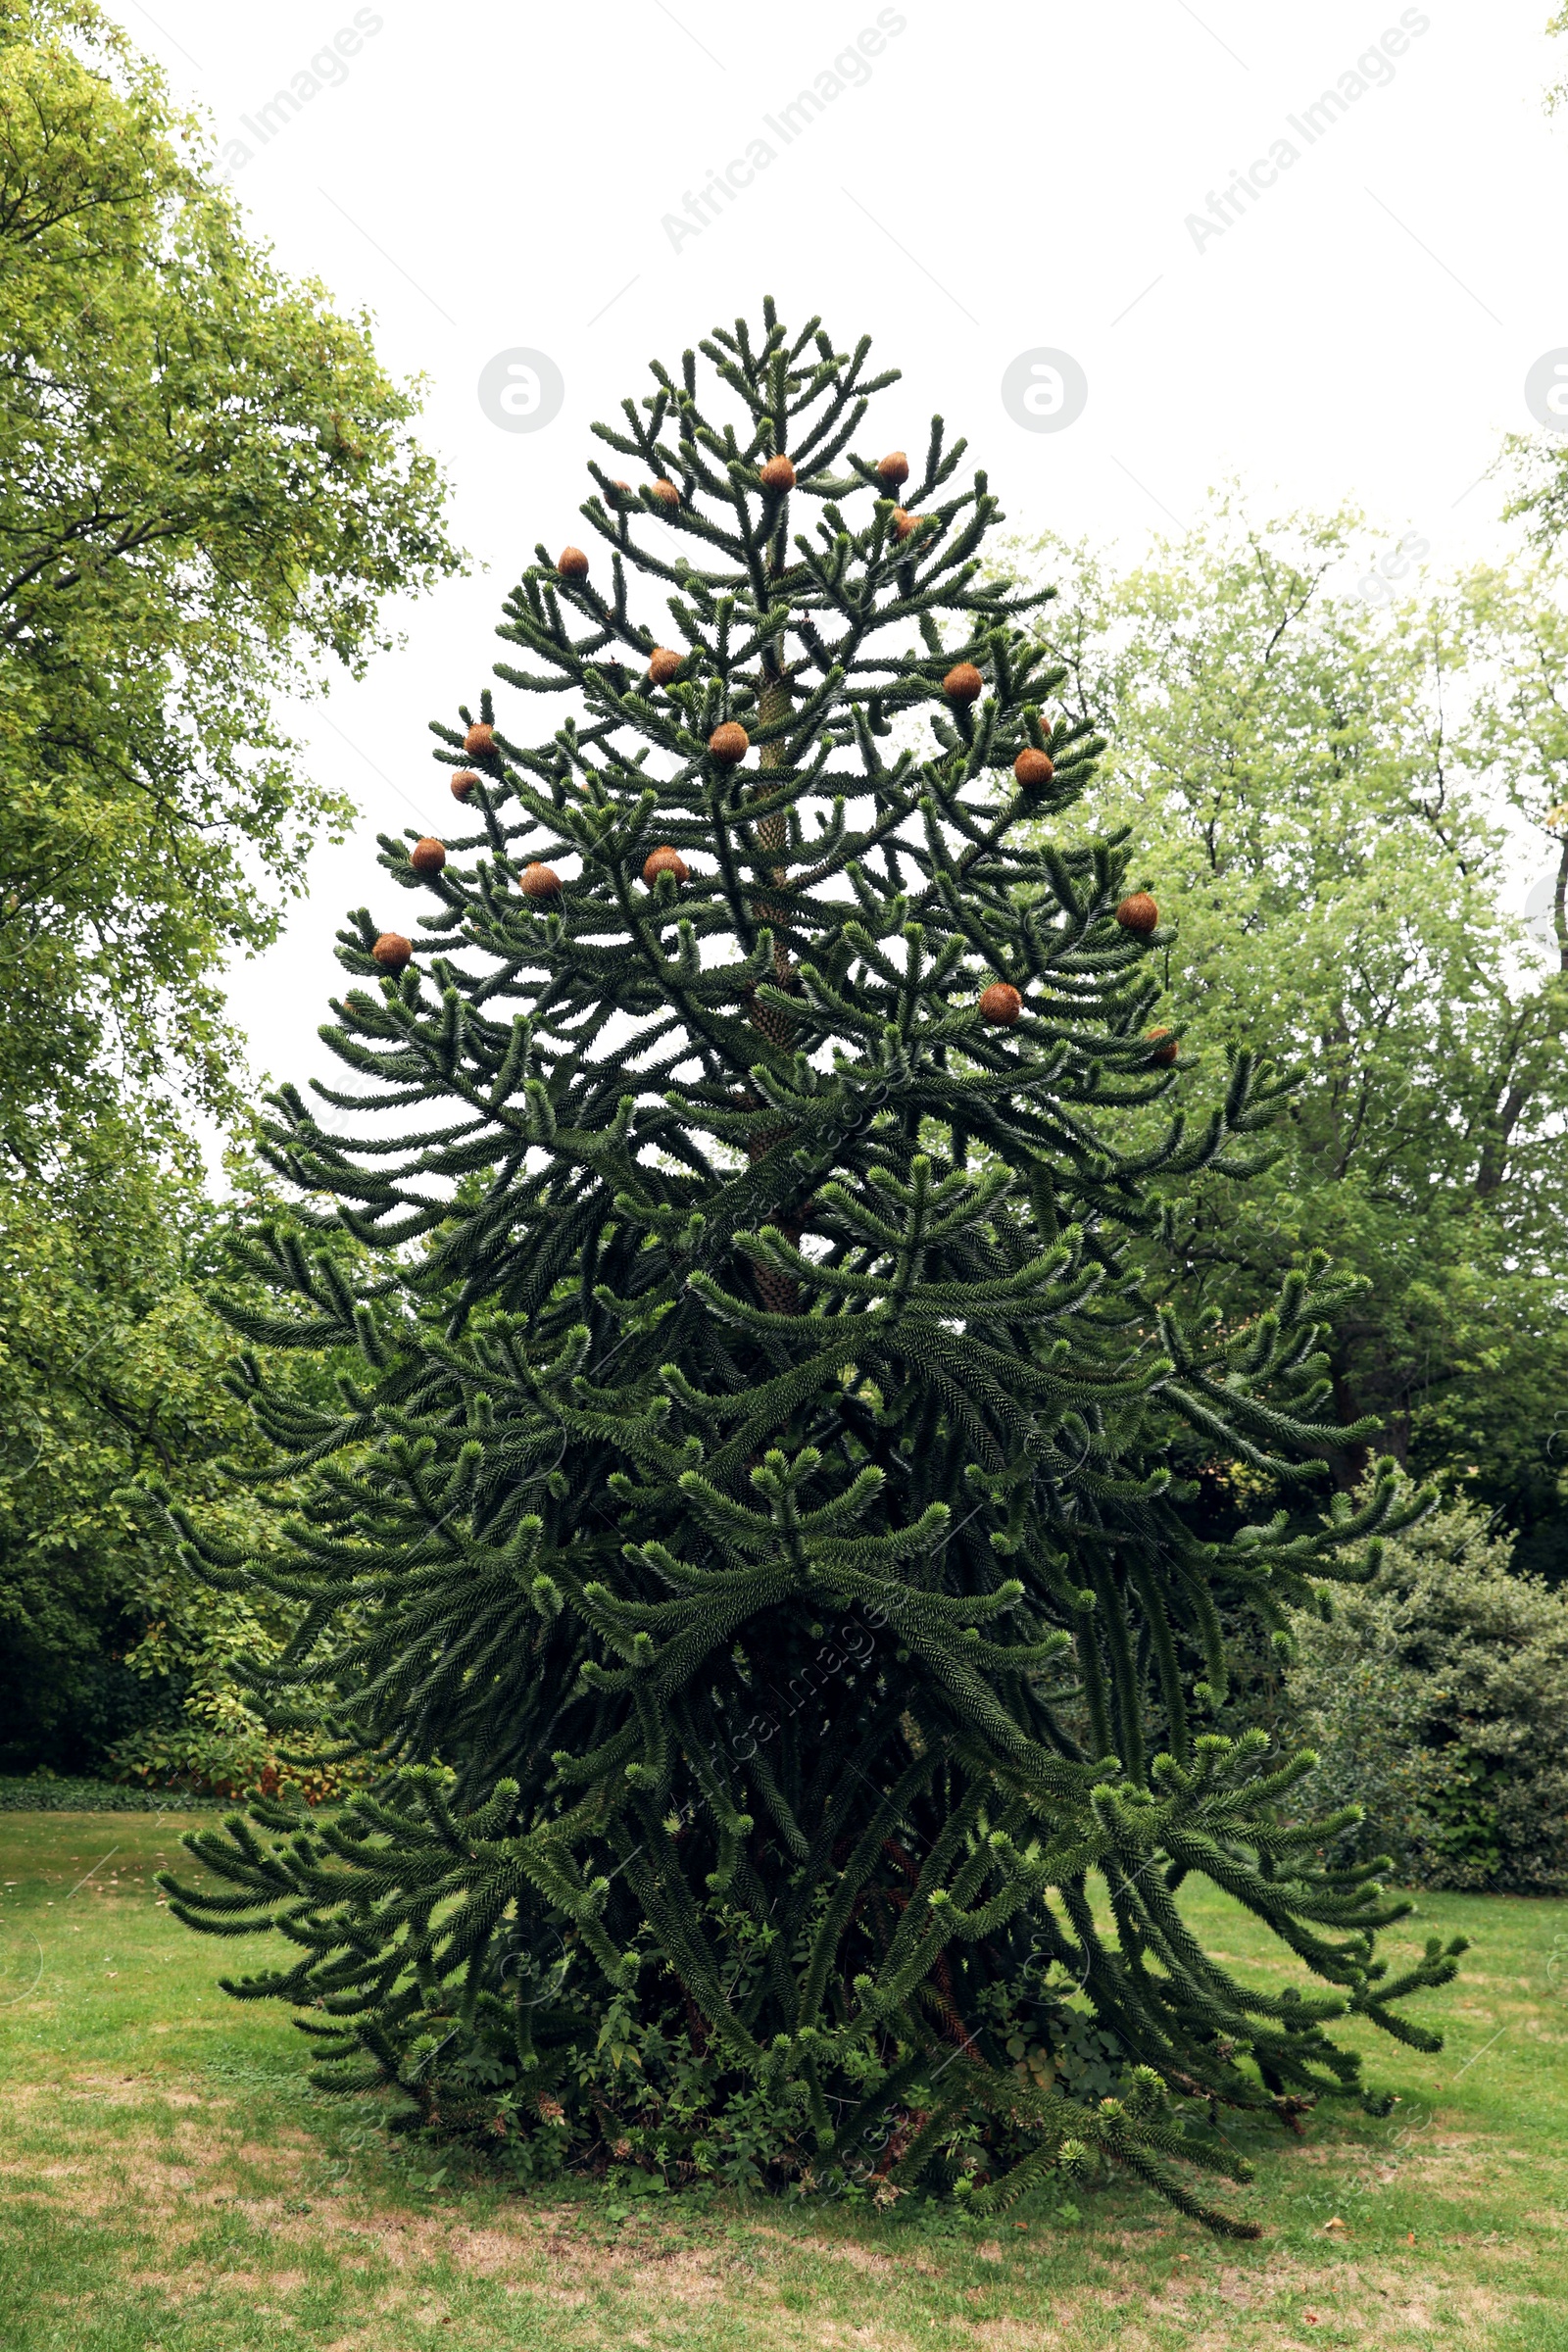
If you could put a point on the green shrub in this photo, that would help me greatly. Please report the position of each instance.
(1437, 1699)
(221, 1761)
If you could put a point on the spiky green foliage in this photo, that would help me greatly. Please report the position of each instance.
(758, 1468)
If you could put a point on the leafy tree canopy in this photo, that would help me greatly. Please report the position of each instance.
(110, 1360)
(208, 484)
(208, 489)
(1333, 799)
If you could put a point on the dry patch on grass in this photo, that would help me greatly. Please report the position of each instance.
(676, 2275)
(179, 2286)
(832, 2249)
(179, 2149)
(88, 2196)
(193, 2160)
(869, 2260)
(1288, 2303)
(1039, 2333)
(199, 2162)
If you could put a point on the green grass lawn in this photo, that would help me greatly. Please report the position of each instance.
(174, 2187)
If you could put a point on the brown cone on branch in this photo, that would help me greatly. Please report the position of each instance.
(621, 492)
(1001, 1003)
(778, 474)
(729, 743)
(1138, 913)
(538, 881)
(664, 664)
(1164, 1053)
(430, 855)
(904, 523)
(480, 738)
(666, 493)
(665, 861)
(463, 783)
(392, 952)
(573, 564)
(963, 683)
(1033, 769)
(894, 469)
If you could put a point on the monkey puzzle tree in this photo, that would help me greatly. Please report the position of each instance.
(748, 1548)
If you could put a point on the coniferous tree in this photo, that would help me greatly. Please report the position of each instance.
(749, 1548)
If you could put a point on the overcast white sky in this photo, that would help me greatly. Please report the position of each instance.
(993, 181)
